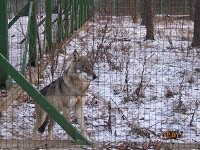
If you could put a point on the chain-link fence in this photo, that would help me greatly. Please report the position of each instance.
(146, 95)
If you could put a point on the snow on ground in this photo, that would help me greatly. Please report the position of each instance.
(148, 85)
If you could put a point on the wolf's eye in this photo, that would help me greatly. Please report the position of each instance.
(85, 67)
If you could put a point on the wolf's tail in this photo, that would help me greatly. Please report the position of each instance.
(43, 126)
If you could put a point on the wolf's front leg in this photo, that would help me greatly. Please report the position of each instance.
(40, 118)
(66, 113)
(50, 129)
(80, 117)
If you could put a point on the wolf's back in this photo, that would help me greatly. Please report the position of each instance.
(51, 88)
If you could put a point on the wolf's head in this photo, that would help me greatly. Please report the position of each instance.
(83, 67)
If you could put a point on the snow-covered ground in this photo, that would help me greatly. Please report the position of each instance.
(143, 88)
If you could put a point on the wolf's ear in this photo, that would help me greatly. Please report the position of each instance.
(90, 57)
(75, 55)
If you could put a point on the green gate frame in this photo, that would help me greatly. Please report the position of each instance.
(4, 38)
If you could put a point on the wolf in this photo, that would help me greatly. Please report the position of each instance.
(67, 91)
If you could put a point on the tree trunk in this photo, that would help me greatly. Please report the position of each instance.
(143, 13)
(148, 10)
(191, 9)
(134, 10)
(196, 36)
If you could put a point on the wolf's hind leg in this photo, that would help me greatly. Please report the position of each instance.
(50, 129)
(40, 118)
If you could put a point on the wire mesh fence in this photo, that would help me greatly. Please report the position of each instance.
(146, 95)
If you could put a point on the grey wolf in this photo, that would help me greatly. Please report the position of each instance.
(67, 91)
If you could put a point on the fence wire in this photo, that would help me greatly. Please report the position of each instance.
(146, 95)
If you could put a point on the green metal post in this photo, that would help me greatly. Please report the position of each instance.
(40, 100)
(87, 9)
(88, 13)
(30, 14)
(84, 11)
(75, 14)
(92, 8)
(160, 6)
(33, 37)
(185, 7)
(67, 6)
(114, 7)
(48, 23)
(168, 7)
(86, 6)
(59, 38)
(78, 14)
(72, 16)
(4, 38)
(81, 12)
